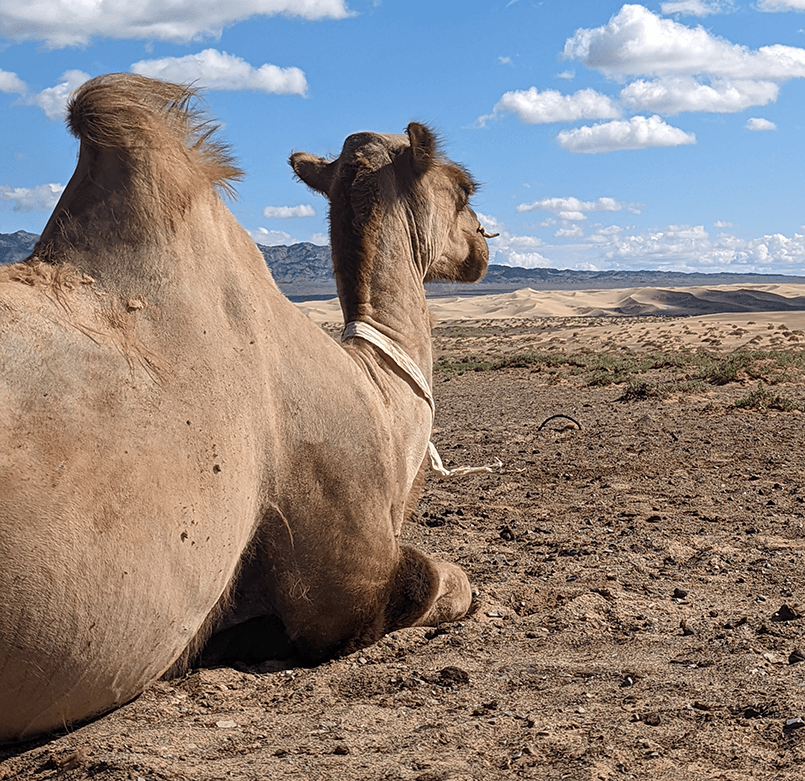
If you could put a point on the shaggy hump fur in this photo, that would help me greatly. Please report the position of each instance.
(135, 114)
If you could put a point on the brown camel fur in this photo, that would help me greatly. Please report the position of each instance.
(166, 415)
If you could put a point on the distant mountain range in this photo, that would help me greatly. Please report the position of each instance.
(16, 246)
(304, 271)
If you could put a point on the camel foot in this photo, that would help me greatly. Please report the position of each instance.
(454, 596)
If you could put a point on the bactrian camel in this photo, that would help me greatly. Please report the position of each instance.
(182, 452)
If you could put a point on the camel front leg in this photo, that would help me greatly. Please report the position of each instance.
(426, 592)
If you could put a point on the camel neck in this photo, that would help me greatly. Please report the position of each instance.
(362, 330)
(395, 308)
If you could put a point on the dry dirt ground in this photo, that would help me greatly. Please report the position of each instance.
(639, 590)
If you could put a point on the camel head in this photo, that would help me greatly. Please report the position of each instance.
(385, 189)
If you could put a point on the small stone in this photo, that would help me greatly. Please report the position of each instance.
(679, 593)
(796, 656)
(341, 750)
(785, 613)
(226, 724)
(454, 675)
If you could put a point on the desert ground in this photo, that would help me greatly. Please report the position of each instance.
(637, 564)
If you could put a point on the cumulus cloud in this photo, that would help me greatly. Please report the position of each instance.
(289, 212)
(721, 224)
(271, 238)
(686, 247)
(11, 83)
(774, 6)
(573, 209)
(673, 248)
(535, 107)
(674, 94)
(758, 123)
(635, 133)
(694, 7)
(216, 70)
(509, 249)
(70, 23)
(506, 257)
(636, 41)
(53, 100)
(31, 199)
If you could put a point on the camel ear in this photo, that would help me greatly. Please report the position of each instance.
(423, 147)
(315, 172)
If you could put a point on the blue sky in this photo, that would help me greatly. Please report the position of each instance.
(667, 135)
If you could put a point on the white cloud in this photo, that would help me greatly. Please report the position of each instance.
(635, 133)
(289, 212)
(271, 238)
(10, 82)
(43, 197)
(535, 108)
(319, 238)
(573, 209)
(506, 239)
(511, 249)
(637, 42)
(566, 75)
(216, 70)
(720, 224)
(694, 7)
(505, 60)
(521, 259)
(674, 94)
(691, 248)
(674, 248)
(758, 123)
(53, 100)
(76, 22)
(774, 6)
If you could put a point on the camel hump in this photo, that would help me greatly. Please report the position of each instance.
(141, 116)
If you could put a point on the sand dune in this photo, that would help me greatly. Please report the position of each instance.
(689, 301)
(726, 317)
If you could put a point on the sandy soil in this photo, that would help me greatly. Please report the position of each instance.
(639, 595)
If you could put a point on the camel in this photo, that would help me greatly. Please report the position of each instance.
(182, 452)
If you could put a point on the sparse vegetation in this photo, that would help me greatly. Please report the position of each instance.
(683, 371)
(763, 399)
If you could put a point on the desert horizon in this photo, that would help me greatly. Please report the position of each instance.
(725, 317)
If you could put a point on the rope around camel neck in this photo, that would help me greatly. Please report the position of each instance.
(357, 329)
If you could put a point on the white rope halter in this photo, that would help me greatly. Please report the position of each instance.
(357, 329)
